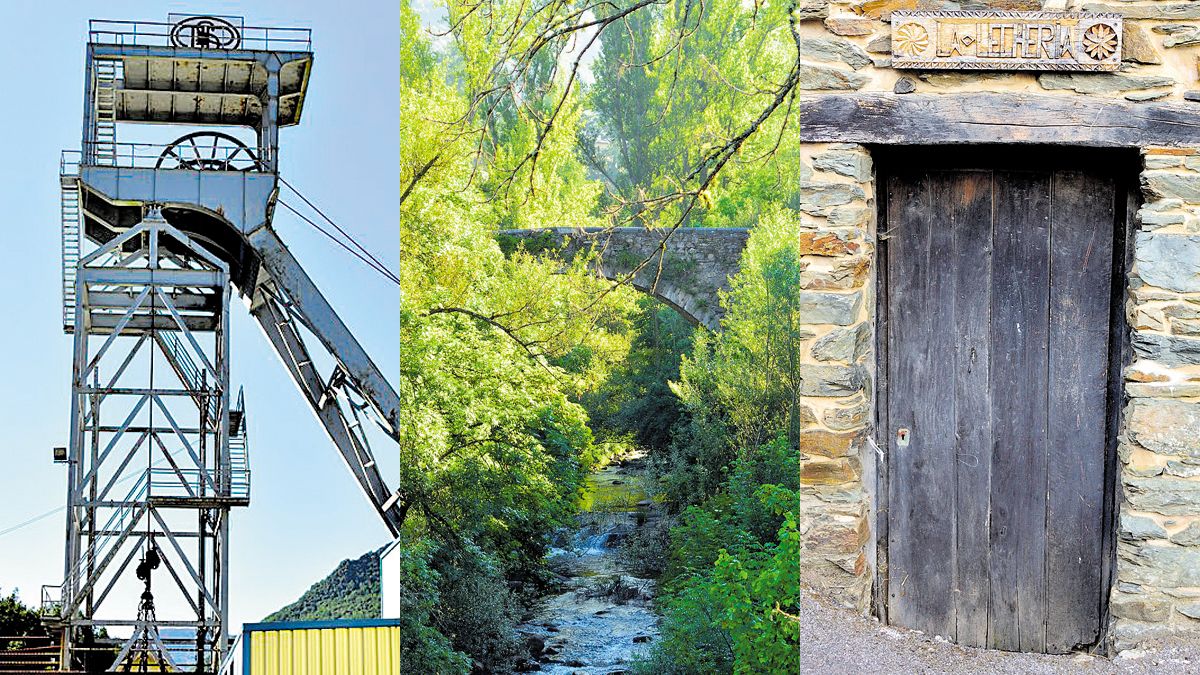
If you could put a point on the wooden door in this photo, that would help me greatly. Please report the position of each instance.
(998, 337)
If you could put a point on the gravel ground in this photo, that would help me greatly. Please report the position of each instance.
(836, 641)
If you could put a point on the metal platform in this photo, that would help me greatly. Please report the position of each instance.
(168, 77)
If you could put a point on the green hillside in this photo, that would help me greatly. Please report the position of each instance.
(350, 592)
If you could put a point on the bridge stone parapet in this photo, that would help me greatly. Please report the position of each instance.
(685, 268)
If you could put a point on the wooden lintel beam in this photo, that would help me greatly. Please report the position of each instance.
(971, 118)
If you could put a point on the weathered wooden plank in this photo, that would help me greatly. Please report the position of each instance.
(907, 202)
(994, 118)
(921, 268)
(1120, 355)
(970, 206)
(1080, 271)
(1019, 389)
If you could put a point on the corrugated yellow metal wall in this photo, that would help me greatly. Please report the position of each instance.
(326, 651)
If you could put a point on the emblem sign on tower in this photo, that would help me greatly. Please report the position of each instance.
(205, 32)
(984, 40)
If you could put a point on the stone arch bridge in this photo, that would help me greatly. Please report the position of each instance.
(697, 264)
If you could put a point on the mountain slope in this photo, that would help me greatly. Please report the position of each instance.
(350, 592)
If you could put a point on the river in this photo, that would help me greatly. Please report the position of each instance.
(600, 616)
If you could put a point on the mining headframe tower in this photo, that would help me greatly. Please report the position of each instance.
(156, 238)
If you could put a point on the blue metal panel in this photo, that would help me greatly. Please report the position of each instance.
(306, 625)
(240, 197)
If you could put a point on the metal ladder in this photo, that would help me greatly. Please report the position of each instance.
(109, 72)
(69, 190)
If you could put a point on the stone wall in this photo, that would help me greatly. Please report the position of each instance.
(837, 235)
(1158, 550)
(845, 49)
(698, 261)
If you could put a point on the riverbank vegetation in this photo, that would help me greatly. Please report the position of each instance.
(521, 375)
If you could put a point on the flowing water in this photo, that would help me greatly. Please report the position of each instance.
(602, 615)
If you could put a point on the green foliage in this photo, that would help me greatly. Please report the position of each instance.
(753, 370)
(761, 600)
(351, 591)
(731, 576)
(636, 399)
(423, 647)
(520, 375)
(17, 620)
(732, 603)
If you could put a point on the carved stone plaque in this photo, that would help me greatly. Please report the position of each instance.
(987, 40)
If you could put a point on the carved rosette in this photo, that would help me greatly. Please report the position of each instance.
(997, 40)
(1100, 41)
(910, 40)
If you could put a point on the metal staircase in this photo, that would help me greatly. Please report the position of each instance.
(109, 74)
(99, 554)
(192, 377)
(189, 373)
(69, 191)
(239, 450)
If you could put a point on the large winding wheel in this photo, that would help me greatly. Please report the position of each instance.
(208, 151)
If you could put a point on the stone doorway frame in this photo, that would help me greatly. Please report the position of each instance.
(1148, 580)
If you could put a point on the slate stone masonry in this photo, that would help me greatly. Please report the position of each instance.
(837, 247)
(1158, 550)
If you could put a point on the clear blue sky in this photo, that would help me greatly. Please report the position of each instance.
(307, 513)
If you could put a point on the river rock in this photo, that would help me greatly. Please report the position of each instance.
(535, 644)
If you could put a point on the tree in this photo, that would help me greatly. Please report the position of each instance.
(18, 620)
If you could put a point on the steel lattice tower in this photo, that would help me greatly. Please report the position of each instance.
(156, 239)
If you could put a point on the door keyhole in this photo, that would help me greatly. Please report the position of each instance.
(902, 437)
